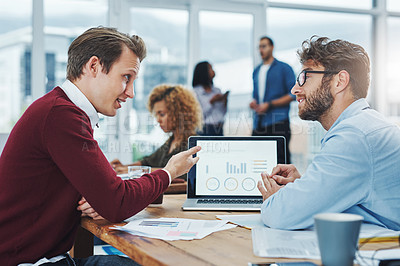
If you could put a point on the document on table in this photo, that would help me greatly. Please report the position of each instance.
(174, 228)
(269, 242)
(274, 243)
(370, 257)
(248, 221)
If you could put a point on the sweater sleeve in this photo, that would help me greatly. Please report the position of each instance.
(68, 138)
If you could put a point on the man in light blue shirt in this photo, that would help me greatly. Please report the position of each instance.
(358, 169)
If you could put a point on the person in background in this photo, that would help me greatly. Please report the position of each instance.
(357, 169)
(272, 82)
(51, 160)
(178, 112)
(212, 101)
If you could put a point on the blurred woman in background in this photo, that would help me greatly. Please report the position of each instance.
(178, 113)
(212, 101)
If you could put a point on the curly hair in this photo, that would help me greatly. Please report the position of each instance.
(182, 106)
(336, 55)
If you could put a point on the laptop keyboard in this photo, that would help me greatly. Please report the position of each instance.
(230, 201)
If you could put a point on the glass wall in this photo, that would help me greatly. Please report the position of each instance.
(165, 32)
(393, 68)
(15, 41)
(393, 5)
(228, 48)
(364, 4)
(64, 20)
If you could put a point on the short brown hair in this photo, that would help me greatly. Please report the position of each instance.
(182, 106)
(336, 55)
(106, 44)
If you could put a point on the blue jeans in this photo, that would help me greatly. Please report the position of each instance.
(97, 260)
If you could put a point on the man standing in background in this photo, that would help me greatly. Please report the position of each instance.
(272, 82)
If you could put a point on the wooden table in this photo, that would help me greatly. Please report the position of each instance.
(228, 247)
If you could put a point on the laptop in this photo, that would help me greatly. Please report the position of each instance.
(226, 176)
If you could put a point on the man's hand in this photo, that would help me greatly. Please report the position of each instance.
(121, 169)
(87, 210)
(253, 105)
(115, 163)
(262, 108)
(181, 163)
(270, 186)
(285, 173)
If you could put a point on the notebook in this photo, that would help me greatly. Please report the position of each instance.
(225, 177)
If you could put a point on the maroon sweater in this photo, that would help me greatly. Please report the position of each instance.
(49, 162)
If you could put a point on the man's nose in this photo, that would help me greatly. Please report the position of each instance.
(130, 91)
(296, 89)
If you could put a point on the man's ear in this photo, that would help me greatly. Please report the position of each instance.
(341, 81)
(92, 66)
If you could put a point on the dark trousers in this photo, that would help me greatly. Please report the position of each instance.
(281, 128)
(97, 260)
(212, 130)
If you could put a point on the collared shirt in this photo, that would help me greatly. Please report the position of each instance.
(213, 113)
(357, 171)
(280, 80)
(79, 99)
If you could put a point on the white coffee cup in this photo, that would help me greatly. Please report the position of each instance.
(337, 237)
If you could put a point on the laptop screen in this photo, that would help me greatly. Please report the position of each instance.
(232, 166)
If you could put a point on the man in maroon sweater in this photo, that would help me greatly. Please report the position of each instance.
(51, 160)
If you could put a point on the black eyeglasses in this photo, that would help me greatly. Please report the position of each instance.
(302, 77)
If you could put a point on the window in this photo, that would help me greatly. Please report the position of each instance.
(393, 66)
(15, 41)
(165, 32)
(364, 4)
(228, 48)
(393, 5)
(64, 21)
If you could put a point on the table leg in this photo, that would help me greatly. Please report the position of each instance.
(83, 246)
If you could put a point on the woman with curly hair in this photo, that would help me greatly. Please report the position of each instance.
(178, 112)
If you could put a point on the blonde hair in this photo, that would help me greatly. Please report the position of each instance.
(183, 109)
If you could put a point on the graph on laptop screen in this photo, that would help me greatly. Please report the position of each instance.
(233, 167)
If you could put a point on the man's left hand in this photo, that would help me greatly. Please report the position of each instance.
(269, 188)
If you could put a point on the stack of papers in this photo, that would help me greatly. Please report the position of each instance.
(269, 242)
(174, 228)
(303, 244)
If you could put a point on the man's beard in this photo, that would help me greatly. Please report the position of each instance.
(317, 103)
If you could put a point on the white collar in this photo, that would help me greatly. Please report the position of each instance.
(79, 99)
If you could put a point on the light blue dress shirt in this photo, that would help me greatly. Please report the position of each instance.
(357, 171)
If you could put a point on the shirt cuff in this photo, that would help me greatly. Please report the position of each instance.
(169, 175)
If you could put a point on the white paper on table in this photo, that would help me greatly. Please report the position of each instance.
(372, 230)
(364, 257)
(269, 242)
(249, 221)
(174, 228)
